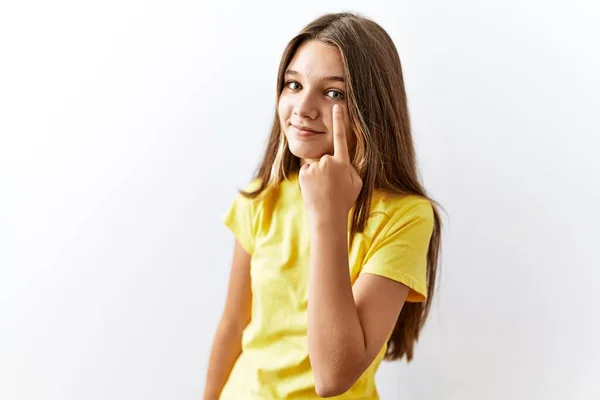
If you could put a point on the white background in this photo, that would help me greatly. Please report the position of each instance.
(127, 126)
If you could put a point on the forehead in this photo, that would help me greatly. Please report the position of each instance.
(316, 59)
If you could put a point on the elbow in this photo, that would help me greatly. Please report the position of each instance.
(333, 385)
(326, 391)
(331, 388)
(335, 372)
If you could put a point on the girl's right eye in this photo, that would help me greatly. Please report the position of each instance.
(287, 84)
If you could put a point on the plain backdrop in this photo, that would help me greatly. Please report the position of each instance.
(127, 126)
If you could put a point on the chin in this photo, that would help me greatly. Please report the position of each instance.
(309, 152)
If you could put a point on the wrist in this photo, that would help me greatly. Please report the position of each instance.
(328, 223)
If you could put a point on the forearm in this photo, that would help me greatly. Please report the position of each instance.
(336, 341)
(226, 348)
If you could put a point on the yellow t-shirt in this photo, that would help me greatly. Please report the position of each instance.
(273, 228)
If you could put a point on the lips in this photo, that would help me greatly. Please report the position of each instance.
(305, 129)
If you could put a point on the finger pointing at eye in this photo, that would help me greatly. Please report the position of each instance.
(340, 146)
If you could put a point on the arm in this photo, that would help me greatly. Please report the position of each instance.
(227, 343)
(347, 326)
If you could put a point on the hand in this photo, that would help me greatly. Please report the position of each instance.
(331, 185)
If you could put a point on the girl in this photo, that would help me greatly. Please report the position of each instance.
(336, 248)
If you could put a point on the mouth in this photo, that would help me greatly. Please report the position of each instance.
(305, 131)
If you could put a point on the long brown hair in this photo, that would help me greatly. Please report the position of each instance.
(384, 155)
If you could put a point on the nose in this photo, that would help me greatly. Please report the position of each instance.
(305, 106)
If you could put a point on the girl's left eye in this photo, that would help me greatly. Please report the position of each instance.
(339, 94)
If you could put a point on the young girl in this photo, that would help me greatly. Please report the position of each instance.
(336, 248)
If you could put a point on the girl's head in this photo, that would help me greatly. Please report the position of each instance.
(350, 60)
(314, 81)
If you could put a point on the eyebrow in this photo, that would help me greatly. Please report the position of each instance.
(324, 78)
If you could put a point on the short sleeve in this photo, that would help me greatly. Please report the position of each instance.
(240, 218)
(401, 253)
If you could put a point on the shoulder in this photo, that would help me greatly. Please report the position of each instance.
(247, 193)
(253, 185)
(259, 201)
(392, 213)
(408, 207)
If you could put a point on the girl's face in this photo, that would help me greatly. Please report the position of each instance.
(313, 83)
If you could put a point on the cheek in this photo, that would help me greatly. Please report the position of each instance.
(347, 121)
(283, 109)
(350, 135)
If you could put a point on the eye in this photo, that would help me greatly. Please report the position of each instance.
(338, 95)
(288, 83)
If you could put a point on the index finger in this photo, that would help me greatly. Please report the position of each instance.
(340, 146)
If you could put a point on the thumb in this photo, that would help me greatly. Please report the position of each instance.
(304, 168)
